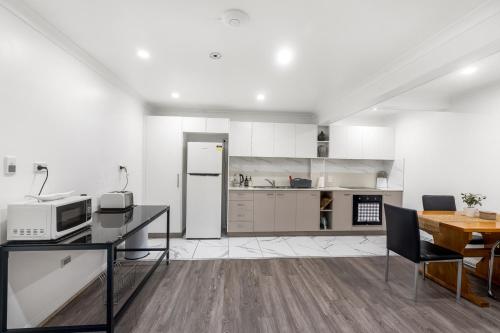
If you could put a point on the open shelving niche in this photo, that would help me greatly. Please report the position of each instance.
(326, 210)
(323, 144)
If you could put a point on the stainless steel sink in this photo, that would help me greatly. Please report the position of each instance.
(271, 187)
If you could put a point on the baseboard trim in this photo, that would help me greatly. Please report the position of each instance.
(308, 233)
(162, 235)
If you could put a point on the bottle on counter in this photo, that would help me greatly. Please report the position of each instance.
(246, 181)
(250, 181)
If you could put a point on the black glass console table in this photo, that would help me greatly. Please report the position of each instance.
(109, 232)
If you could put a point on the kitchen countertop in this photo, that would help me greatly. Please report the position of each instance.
(316, 189)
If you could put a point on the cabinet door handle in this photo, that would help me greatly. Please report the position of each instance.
(241, 205)
(177, 180)
(270, 195)
(347, 195)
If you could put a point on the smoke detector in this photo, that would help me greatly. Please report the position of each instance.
(235, 18)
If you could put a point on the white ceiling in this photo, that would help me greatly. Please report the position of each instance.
(338, 44)
(440, 94)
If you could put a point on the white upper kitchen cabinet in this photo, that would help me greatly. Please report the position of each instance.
(305, 140)
(339, 142)
(217, 125)
(387, 146)
(240, 138)
(284, 140)
(362, 142)
(262, 139)
(194, 124)
(163, 168)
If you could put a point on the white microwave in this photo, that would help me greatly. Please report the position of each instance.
(33, 220)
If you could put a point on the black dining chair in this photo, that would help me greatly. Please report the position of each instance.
(439, 202)
(403, 238)
(495, 252)
(447, 203)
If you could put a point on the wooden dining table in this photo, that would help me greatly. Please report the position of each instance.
(453, 230)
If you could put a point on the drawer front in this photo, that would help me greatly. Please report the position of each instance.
(237, 226)
(240, 195)
(241, 211)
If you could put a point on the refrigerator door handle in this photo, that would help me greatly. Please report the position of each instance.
(177, 180)
(205, 174)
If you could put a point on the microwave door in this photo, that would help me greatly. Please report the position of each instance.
(71, 216)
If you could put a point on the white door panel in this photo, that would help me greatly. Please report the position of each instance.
(163, 167)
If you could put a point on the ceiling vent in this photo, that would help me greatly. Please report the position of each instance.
(235, 18)
(215, 55)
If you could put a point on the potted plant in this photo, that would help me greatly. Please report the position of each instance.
(472, 200)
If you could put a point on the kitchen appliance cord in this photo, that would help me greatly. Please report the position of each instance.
(46, 177)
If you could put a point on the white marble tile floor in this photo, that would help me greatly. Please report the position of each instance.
(272, 247)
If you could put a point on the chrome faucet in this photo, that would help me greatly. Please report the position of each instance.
(272, 182)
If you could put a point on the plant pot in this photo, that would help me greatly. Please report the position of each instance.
(470, 211)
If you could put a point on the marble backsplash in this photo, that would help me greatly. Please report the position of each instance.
(361, 173)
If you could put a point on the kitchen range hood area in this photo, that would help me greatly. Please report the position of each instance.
(253, 166)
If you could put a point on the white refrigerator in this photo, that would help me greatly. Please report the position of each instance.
(204, 189)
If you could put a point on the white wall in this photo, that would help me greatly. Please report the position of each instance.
(55, 109)
(452, 152)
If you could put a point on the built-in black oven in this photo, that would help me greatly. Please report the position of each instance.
(366, 210)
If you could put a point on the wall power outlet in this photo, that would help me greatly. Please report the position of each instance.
(36, 164)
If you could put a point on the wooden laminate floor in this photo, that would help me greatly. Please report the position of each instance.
(299, 295)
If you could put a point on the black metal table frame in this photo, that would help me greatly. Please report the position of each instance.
(111, 251)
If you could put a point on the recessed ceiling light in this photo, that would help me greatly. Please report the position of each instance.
(260, 97)
(468, 70)
(375, 109)
(175, 95)
(284, 57)
(143, 54)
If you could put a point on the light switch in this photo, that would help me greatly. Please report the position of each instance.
(9, 165)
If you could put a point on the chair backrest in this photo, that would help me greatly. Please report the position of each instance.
(403, 236)
(439, 202)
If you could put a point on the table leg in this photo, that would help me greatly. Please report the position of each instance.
(168, 237)
(109, 290)
(445, 274)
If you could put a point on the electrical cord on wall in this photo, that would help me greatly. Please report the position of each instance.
(126, 176)
(40, 168)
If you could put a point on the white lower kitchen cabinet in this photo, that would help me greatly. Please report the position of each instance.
(264, 211)
(286, 213)
(308, 205)
(163, 168)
